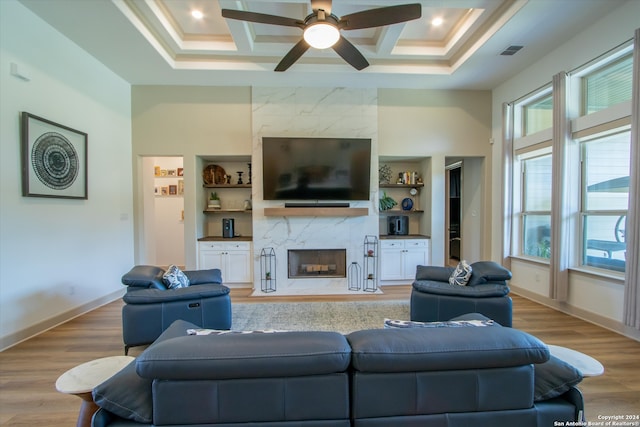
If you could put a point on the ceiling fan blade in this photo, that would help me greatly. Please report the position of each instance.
(321, 4)
(293, 55)
(350, 53)
(261, 18)
(380, 17)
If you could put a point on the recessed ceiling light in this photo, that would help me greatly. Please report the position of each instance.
(197, 14)
(436, 22)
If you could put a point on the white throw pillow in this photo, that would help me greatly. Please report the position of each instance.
(461, 274)
(174, 278)
(406, 324)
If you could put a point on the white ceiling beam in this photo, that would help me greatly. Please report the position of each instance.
(388, 39)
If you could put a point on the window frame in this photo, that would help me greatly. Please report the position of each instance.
(522, 158)
(585, 213)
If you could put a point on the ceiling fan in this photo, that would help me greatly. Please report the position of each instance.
(322, 28)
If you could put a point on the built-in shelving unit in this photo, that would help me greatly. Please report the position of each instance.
(408, 178)
(319, 211)
(234, 199)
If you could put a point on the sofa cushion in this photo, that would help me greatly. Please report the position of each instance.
(154, 296)
(144, 276)
(286, 354)
(174, 278)
(461, 274)
(553, 378)
(488, 290)
(488, 272)
(433, 349)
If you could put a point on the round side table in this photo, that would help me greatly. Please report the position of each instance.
(589, 366)
(82, 379)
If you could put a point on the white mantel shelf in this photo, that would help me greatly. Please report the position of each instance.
(319, 211)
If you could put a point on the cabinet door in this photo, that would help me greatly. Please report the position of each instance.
(413, 258)
(208, 259)
(391, 264)
(238, 267)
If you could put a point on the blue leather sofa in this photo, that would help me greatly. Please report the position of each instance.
(434, 299)
(150, 307)
(452, 377)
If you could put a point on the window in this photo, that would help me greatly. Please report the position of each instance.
(537, 115)
(536, 206)
(607, 86)
(605, 200)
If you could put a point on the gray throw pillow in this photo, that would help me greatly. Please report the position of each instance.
(174, 278)
(461, 274)
(553, 378)
(127, 395)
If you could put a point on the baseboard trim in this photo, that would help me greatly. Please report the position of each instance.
(16, 338)
(585, 315)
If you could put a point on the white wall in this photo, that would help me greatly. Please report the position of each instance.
(191, 122)
(195, 121)
(595, 298)
(60, 257)
(440, 124)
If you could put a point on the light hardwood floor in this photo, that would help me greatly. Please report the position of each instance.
(28, 371)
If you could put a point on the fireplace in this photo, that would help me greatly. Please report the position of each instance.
(316, 263)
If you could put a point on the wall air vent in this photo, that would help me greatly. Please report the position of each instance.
(511, 50)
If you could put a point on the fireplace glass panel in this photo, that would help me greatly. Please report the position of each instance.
(314, 263)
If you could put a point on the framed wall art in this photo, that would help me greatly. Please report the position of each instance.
(54, 159)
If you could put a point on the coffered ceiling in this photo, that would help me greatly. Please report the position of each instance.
(160, 42)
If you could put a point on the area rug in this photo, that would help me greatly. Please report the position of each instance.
(343, 317)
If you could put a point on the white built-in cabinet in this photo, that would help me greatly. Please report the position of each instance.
(400, 257)
(232, 258)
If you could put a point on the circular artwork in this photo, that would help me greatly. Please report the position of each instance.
(54, 161)
(407, 204)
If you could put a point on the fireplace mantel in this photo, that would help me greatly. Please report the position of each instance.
(319, 211)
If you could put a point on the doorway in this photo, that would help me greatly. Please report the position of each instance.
(163, 211)
(454, 213)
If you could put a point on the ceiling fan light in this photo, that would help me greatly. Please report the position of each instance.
(321, 35)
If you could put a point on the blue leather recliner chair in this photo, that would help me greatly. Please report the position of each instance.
(150, 307)
(434, 299)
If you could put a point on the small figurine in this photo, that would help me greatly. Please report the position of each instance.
(239, 177)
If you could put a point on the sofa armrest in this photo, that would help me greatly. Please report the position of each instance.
(144, 276)
(199, 277)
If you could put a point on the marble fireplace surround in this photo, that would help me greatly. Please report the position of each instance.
(312, 112)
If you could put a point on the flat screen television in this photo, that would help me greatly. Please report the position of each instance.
(320, 169)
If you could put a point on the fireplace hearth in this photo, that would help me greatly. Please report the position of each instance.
(316, 263)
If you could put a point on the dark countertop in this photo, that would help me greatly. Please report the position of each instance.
(407, 236)
(226, 239)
